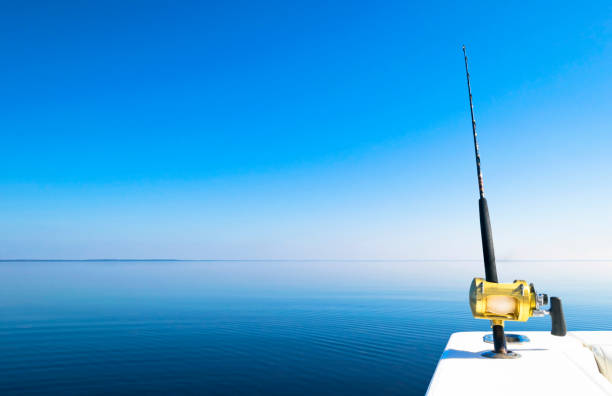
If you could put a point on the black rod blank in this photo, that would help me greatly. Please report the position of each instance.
(478, 171)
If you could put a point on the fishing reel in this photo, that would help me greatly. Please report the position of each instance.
(517, 301)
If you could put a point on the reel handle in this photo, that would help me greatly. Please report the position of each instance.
(557, 317)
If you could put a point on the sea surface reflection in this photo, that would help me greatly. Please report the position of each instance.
(237, 327)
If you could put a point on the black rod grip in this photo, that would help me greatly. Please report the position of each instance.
(487, 241)
(499, 340)
(557, 317)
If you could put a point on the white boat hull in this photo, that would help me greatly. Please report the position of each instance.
(548, 365)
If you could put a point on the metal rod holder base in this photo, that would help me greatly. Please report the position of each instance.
(495, 355)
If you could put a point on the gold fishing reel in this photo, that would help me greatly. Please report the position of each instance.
(517, 301)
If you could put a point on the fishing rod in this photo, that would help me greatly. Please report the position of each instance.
(495, 301)
(499, 338)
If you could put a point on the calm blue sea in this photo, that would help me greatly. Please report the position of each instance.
(231, 327)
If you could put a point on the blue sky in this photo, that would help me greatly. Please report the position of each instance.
(303, 129)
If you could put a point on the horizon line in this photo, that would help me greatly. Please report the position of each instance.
(282, 260)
